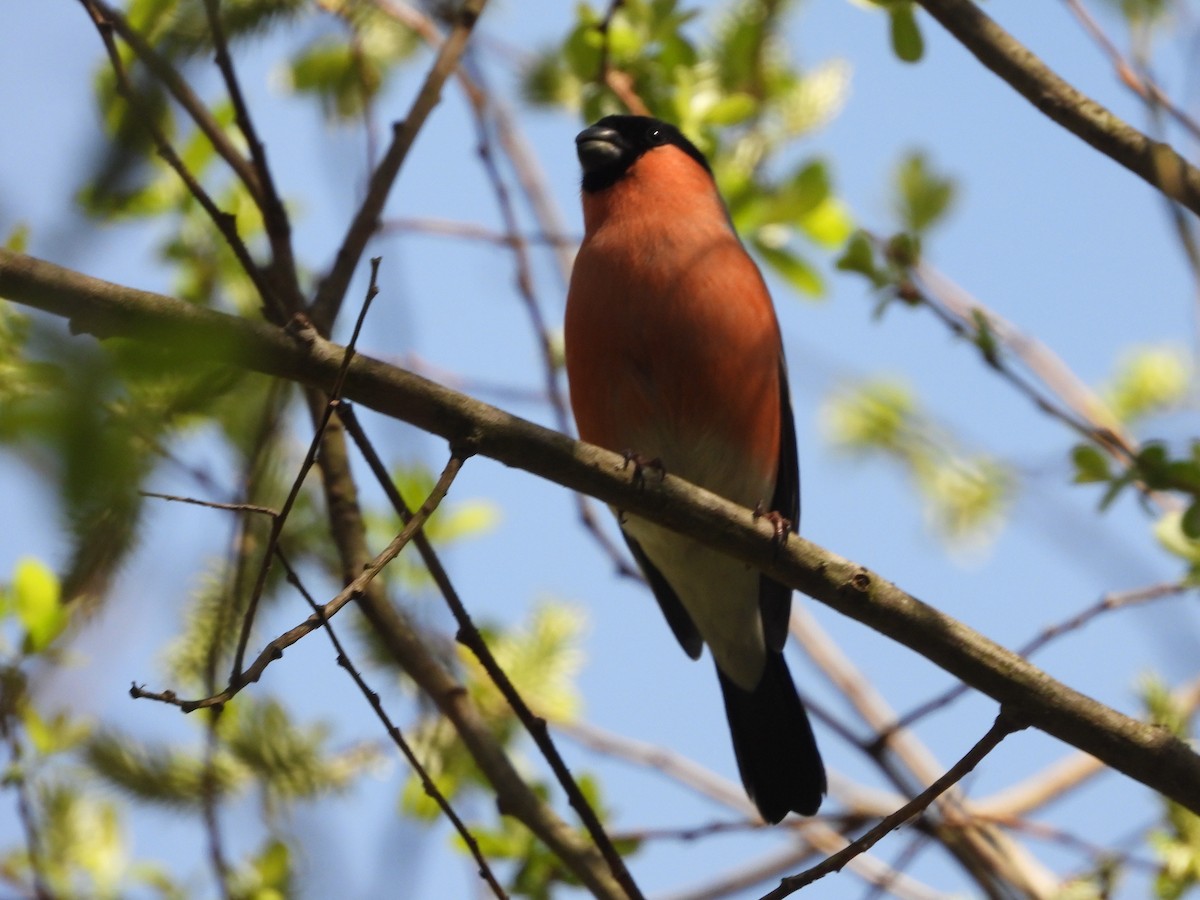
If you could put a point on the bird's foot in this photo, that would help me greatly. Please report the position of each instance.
(640, 464)
(781, 523)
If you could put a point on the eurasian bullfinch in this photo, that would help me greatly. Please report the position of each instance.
(673, 353)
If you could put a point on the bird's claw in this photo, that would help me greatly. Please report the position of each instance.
(641, 464)
(781, 523)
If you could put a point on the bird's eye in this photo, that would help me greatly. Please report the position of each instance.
(656, 136)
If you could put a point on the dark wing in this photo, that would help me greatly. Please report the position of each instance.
(775, 599)
(677, 617)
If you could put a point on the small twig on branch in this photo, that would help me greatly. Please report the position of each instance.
(427, 782)
(472, 232)
(178, 87)
(211, 504)
(1138, 81)
(209, 794)
(983, 851)
(17, 779)
(1001, 728)
(966, 317)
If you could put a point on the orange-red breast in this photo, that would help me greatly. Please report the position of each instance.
(673, 353)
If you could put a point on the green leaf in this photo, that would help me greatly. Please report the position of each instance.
(859, 256)
(1151, 464)
(1190, 523)
(802, 276)
(56, 734)
(1115, 489)
(1171, 535)
(18, 238)
(730, 110)
(1148, 380)
(907, 42)
(38, 602)
(1091, 465)
(829, 223)
(985, 338)
(923, 196)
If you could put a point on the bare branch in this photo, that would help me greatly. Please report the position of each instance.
(225, 223)
(275, 218)
(1156, 163)
(1001, 728)
(430, 787)
(178, 87)
(469, 636)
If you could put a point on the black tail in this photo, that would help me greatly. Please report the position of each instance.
(776, 753)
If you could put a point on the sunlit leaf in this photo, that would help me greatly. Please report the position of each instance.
(38, 603)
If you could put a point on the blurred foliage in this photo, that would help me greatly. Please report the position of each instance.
(537, 871)
(736, 93)
(346, 71)
(1156, 467)
(1177, 842)
(1148, 380)
(966, 494)
(1142, 13)
(541, 658)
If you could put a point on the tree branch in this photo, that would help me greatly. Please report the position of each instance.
(1147, 754)
(1154, 162)
(1002, 728)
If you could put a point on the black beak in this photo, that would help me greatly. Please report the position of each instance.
(598, 147)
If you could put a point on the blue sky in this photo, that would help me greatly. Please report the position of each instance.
(1047, 232)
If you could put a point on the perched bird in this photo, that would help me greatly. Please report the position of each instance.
(673, 354)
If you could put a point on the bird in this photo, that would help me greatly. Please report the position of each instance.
(674, 357)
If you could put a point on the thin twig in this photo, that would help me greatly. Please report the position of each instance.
(177, 85)
(620, 83)
(332, 290)
(274, 649)
(1137, 80)
(226, 223)
(469, 636)
(1108, 603)
(212, 504)
(427, 782)
(275, 218)
(208, 802)
(1001, 728)
(983, 851)
(18, 780)
(472, 232)
(278, 521)
(966, 317)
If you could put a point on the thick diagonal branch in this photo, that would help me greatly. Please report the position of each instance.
(1147, 754)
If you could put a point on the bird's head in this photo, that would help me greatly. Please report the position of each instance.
(608, 150)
